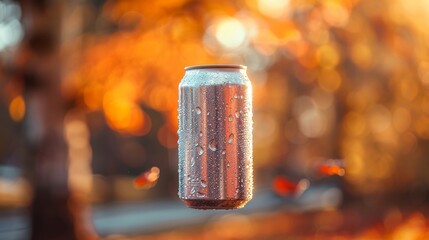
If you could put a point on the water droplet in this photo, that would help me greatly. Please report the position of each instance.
(230, 118)
(192, 162)
(235, 96)
(208, 113)
(188, 178)
(223, 152)
(198, 110)
(230, 138)
(212, 145)
(200, 150)
(237, 190)
(201, 134)
(227, 164)
(237, 114)
(200, 194)
(203, 183)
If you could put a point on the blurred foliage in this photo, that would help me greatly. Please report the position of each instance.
(332, 79)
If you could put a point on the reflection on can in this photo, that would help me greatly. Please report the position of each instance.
(215, 137)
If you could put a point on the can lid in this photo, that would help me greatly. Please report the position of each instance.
(209, 66)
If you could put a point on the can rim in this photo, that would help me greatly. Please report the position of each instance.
(209, 66)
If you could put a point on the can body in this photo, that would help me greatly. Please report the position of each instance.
(215, 137)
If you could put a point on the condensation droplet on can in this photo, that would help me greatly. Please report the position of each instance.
(198, 110)
(212, 145)
(200, 195)
(231, 138)
(230, 118)
(203, 183)
(200, 150)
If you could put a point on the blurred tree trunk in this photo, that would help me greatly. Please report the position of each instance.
(55, 212)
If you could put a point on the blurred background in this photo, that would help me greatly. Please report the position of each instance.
(88, 117)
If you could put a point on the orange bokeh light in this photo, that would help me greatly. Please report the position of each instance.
(17, 108)
(124, 115)
(147, 179)
(332, 170)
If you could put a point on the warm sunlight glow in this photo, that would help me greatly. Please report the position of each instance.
(123, 114)
(273, 8)
(230, 33)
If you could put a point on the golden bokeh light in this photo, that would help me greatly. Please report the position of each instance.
(17, 108)
(423, 72)
(401, 119)
(230, 33)
(124, 115)
(361, 55)
(79, 155)
(335, 12)
(273, 8)
(329, 80)
(328, 56)
(379, 118)
(354, 124)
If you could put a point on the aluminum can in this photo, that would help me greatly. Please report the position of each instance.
(215, 137)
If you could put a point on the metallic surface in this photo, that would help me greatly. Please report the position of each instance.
(215, 137)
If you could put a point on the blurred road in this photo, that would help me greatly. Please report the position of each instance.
(134, 218)
(150, 217)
